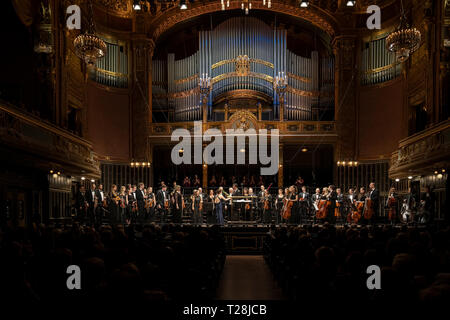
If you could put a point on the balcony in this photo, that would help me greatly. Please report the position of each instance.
(422, 153)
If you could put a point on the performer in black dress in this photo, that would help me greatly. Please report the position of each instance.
(123, 204)
(177, 205)
(279, 205)
(197, 206)
(113, 205)
(150, 204)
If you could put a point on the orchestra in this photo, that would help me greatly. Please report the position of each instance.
(139, 204)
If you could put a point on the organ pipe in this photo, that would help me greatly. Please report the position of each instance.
(175, 82)
(378, 64)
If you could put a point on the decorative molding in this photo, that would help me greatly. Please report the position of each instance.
(184, 80)
(259, 61)
(235, 74)
(416, 154)
(166, 20)
(45, 141)
(299, 78)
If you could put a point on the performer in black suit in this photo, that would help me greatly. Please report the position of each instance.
(304, 202)
(90, 197)
(162, 203)
(261, 197)
(374, 195)
(236, 208)
(140, 198)
(82, 204)
(332, 197)
(101, 208)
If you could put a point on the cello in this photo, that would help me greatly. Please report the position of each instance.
(323, 209)
(337, 213)
(287, 207)
(392, 205)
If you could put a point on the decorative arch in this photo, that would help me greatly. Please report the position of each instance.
(170, 18)
(242, 119)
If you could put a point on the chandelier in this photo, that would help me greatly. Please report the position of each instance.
(88, 46)
(404, 40)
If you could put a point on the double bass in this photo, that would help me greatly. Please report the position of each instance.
(368, 209)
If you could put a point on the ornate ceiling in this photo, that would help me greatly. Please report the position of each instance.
(332, 16)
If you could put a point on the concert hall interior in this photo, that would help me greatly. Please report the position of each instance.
(271, 133)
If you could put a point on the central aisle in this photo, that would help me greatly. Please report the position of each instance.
(247, 278)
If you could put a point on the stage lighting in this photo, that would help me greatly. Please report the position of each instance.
(304, 4)
(304, 149)
(351, 3)
(410, 177)
(136, 5)
(397, 180)
(183, 5)
(83, 178)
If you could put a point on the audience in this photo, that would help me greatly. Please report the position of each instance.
(314, 264)
(121, 266)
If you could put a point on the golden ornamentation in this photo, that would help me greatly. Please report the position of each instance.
(376, 70)
(302, 92)
(299, 78)
(242, 65)
(184, 80)
(112, 73)
(243, 119)
(235, 74)
(259, 61)
(175, 95)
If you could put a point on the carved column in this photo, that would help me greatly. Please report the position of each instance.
(346, 77)
(141, 96)
(280, 167)
(205, 176)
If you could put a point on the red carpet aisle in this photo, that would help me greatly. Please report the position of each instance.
(247, 278)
